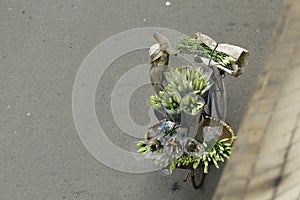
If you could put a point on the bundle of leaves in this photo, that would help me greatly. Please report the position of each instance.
(194, 46)
(191, 156)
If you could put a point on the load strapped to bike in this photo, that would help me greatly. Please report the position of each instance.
(190, 104)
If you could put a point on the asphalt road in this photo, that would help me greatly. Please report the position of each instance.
(42, 46)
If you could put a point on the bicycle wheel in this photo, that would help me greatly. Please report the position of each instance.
(197, 176)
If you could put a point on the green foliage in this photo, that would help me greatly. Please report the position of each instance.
(186, 160)
(220, 151)
(191, 45)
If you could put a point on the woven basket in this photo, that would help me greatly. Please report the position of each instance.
(227, 130)
(208, 121)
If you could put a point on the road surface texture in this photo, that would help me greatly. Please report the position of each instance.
(42, 46)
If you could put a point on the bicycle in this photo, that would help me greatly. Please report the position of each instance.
(214, 111)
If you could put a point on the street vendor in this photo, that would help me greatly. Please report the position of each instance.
(159, 62)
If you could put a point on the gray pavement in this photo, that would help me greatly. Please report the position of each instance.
(42, 45)
(266, 162)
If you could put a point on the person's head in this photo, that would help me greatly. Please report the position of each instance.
(155, 53)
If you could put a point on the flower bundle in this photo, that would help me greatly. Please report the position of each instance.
(226, 57)
(174, 149)
(176, 97)
(191, 45)
(186, 138)
(170, 142)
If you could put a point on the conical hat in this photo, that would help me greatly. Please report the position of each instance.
(155, 52)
